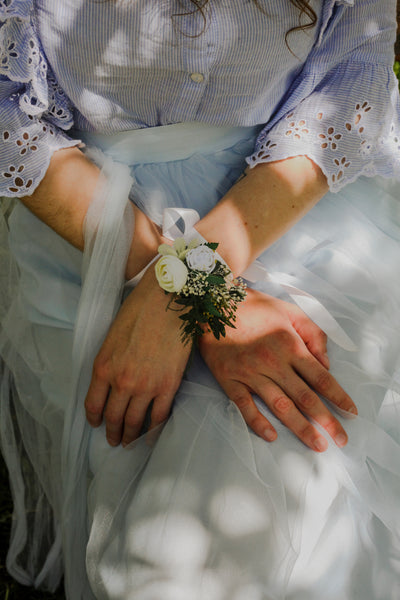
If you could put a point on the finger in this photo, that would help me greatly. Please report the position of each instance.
(96, 399)
(114, 416)
(283, 407)
(310, 405)
(241, 396)
(134, 418)
(324, 383)
(312, 335)
(161, 409)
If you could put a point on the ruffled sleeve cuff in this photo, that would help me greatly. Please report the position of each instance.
(35, 113)
(347, 122)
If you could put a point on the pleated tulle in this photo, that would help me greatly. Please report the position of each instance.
(202, 509)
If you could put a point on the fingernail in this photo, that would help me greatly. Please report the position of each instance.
(341, 440)
(326, 360)
(270, 435)
(320, 444)
(353, 410)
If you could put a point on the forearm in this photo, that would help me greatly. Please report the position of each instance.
(63, 198)
(261, 207)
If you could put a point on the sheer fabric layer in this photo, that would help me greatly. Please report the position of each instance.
(204, 509)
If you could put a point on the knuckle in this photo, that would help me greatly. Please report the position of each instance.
(321, 335)
(164, 399)
(113, 419)
(333, 427)
(242, 401)
(307, 399)
(323, 382)
(169, 386)
(133, 421)
(122, 382)
(317, 333)
(143, 384)
(343, 401)
(257, 424)
(93, 408)
(282, 405)
(306, 433)
(101, 368)
(159, 415)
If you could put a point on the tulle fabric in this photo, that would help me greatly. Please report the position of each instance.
(202, 508)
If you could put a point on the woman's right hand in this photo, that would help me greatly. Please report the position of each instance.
(140, 363)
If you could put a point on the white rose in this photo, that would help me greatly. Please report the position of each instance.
(171, 273)
(201, 258)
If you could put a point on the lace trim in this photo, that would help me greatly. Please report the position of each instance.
(24, 150)
(15, 8)
(37, 110)
(343, 154)
(26, 156)
(22, 60)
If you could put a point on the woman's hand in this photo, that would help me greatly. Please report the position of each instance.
(279, 354)
(141, 361)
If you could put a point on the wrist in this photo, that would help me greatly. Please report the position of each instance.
(145, 242)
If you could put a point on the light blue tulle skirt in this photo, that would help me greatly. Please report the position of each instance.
(204, 510)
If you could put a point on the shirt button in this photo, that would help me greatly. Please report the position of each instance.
(197, 77)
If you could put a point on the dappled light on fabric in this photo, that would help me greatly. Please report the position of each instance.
(201, 507)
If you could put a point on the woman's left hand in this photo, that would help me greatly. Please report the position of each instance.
(278, 353)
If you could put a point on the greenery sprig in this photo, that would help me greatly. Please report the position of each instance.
(201, 286)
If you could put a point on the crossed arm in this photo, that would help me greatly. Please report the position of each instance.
(275, 351)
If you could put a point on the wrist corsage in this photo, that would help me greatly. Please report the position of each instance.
(200, 283)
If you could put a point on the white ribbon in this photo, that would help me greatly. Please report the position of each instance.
(180, 222)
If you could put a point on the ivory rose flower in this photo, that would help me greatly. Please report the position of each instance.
(171, 273)
(201, 258)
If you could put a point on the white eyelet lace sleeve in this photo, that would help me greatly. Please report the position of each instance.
(34, 110)
(344, 116)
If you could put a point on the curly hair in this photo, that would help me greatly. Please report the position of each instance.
(200, 7)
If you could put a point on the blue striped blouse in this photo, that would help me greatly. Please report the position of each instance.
(329, 93)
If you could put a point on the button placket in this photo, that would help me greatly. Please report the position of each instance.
(197, 55)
